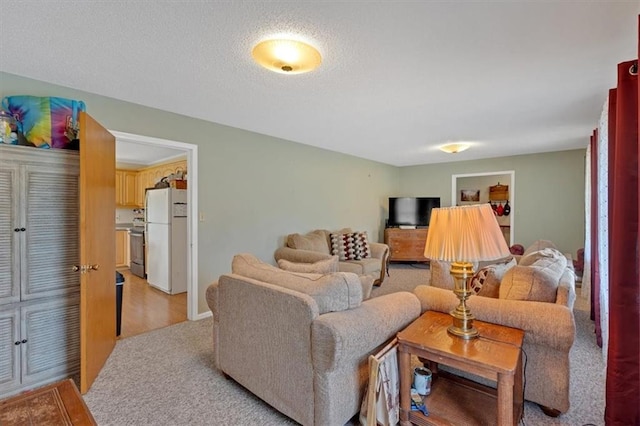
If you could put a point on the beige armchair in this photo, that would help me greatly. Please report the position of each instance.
(549, 327)
(316, 246)
(301, 342)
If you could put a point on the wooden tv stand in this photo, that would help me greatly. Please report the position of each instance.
(406, 245)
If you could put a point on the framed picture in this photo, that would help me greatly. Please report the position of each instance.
(470, 195)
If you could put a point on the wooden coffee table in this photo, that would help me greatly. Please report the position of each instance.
(495, 355)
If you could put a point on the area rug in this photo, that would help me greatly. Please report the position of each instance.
(56, 404)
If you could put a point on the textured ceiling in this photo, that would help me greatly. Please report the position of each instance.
(397, 78)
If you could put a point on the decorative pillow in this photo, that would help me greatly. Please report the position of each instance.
(350, 246)
(539, 245)
(331, 292)
(313, 241)
(486, 282)
(327, 266)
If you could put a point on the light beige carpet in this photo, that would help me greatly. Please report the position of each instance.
(167, 377)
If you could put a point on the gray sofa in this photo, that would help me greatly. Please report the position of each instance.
(301, 341)
(315, 246)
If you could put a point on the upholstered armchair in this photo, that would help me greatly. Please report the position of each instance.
(316, 246)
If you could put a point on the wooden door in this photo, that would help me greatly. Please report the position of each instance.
(97, 249)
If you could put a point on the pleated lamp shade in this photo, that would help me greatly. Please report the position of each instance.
(465, 234)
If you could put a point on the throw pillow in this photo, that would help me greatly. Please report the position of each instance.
(313, 241)
(350, 246)
(486, 282)
(326, 266)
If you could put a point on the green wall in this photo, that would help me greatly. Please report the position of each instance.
(253, 189)
(548, 199)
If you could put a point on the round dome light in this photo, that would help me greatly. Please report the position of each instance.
(286, 56)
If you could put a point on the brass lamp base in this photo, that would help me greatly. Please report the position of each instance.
(462, 317)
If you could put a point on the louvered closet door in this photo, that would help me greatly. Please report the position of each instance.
(9, 351)
(51, 233)
(52, 333)
(9, 236)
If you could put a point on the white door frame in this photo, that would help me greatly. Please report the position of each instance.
(192, 206)
(512, 194)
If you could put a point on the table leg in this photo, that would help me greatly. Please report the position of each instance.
(404, 365)
(505, 399)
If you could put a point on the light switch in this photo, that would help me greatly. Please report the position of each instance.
(201, 216)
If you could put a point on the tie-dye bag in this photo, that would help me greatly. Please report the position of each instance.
(46, 122)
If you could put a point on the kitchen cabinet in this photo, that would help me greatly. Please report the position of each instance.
(39, 291)
(126, 188)
(149, 176)
(122, 248)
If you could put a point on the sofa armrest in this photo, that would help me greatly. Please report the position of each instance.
(357, 333)
(378, 250)
(548, 324)
(299, 256)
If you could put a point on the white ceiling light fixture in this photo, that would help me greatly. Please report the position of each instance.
(454, 148)
(286, 56)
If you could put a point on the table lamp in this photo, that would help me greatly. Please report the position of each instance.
(462, 235)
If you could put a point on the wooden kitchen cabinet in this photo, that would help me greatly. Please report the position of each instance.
(126, 188)
(149, 176)
(406, 244)
(122, 249)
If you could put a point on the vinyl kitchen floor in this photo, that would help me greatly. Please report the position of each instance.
(145, 308)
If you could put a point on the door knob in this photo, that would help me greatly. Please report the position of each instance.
(94, 267)
(75, 268)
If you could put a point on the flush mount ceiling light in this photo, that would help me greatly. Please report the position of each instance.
(454, 148)
(286, 56)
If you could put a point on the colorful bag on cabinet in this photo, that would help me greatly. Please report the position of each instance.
(46, 122)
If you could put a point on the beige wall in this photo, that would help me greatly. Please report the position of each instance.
(548, 199)
(253, 189)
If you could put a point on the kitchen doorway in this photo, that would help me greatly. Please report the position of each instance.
(168, 303)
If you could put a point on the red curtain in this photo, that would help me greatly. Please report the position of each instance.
(595, 264)
(623, 358)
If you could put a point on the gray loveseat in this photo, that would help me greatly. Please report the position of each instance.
(301, 342)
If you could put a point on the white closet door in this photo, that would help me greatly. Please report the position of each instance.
(10, 234)
(51, 233)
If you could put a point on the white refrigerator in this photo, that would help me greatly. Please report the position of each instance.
(166, 239)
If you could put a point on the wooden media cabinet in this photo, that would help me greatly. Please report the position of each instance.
(406, 245)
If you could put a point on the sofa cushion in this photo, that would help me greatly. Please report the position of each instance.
(350, 246)
(361, 267)
(539, 245)
(537, 281)
(313, 241)
(331, 292)
(440, 274)
(326, 266)
(545, 253)
(486, 282)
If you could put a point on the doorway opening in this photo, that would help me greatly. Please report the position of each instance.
(129, 144)
(478, 185)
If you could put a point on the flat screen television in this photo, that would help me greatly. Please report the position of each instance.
(411, 211)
